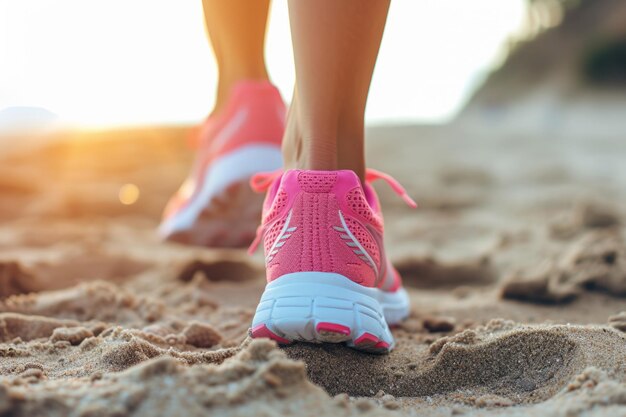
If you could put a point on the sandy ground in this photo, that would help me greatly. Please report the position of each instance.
(515, 263)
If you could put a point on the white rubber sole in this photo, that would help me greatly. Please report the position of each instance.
(229, 172)
(327, 307)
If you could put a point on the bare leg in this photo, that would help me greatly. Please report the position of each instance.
(237, 32)
(335, 48)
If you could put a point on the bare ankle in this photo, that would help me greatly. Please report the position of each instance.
(327, 147)
(229, 79)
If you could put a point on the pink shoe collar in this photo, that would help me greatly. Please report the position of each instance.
(262, 181)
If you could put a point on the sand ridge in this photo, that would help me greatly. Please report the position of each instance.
(518, 302)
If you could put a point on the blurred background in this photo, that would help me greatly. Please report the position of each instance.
(138, 76)
(101, 64)
(120, 63)
(105, 64)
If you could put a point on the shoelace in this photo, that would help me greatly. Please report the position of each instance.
(262, 181)
(372, 175)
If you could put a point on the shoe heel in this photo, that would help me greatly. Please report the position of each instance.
(322, 307)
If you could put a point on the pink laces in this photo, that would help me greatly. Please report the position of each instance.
(262, 181)
(372, 175)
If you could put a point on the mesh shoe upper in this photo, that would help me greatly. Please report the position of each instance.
(326, 221)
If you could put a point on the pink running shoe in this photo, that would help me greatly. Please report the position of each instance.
(328, 277)
(215, 206)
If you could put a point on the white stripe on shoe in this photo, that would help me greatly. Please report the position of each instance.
(236, 166)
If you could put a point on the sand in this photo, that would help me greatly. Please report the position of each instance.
(515, 264)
